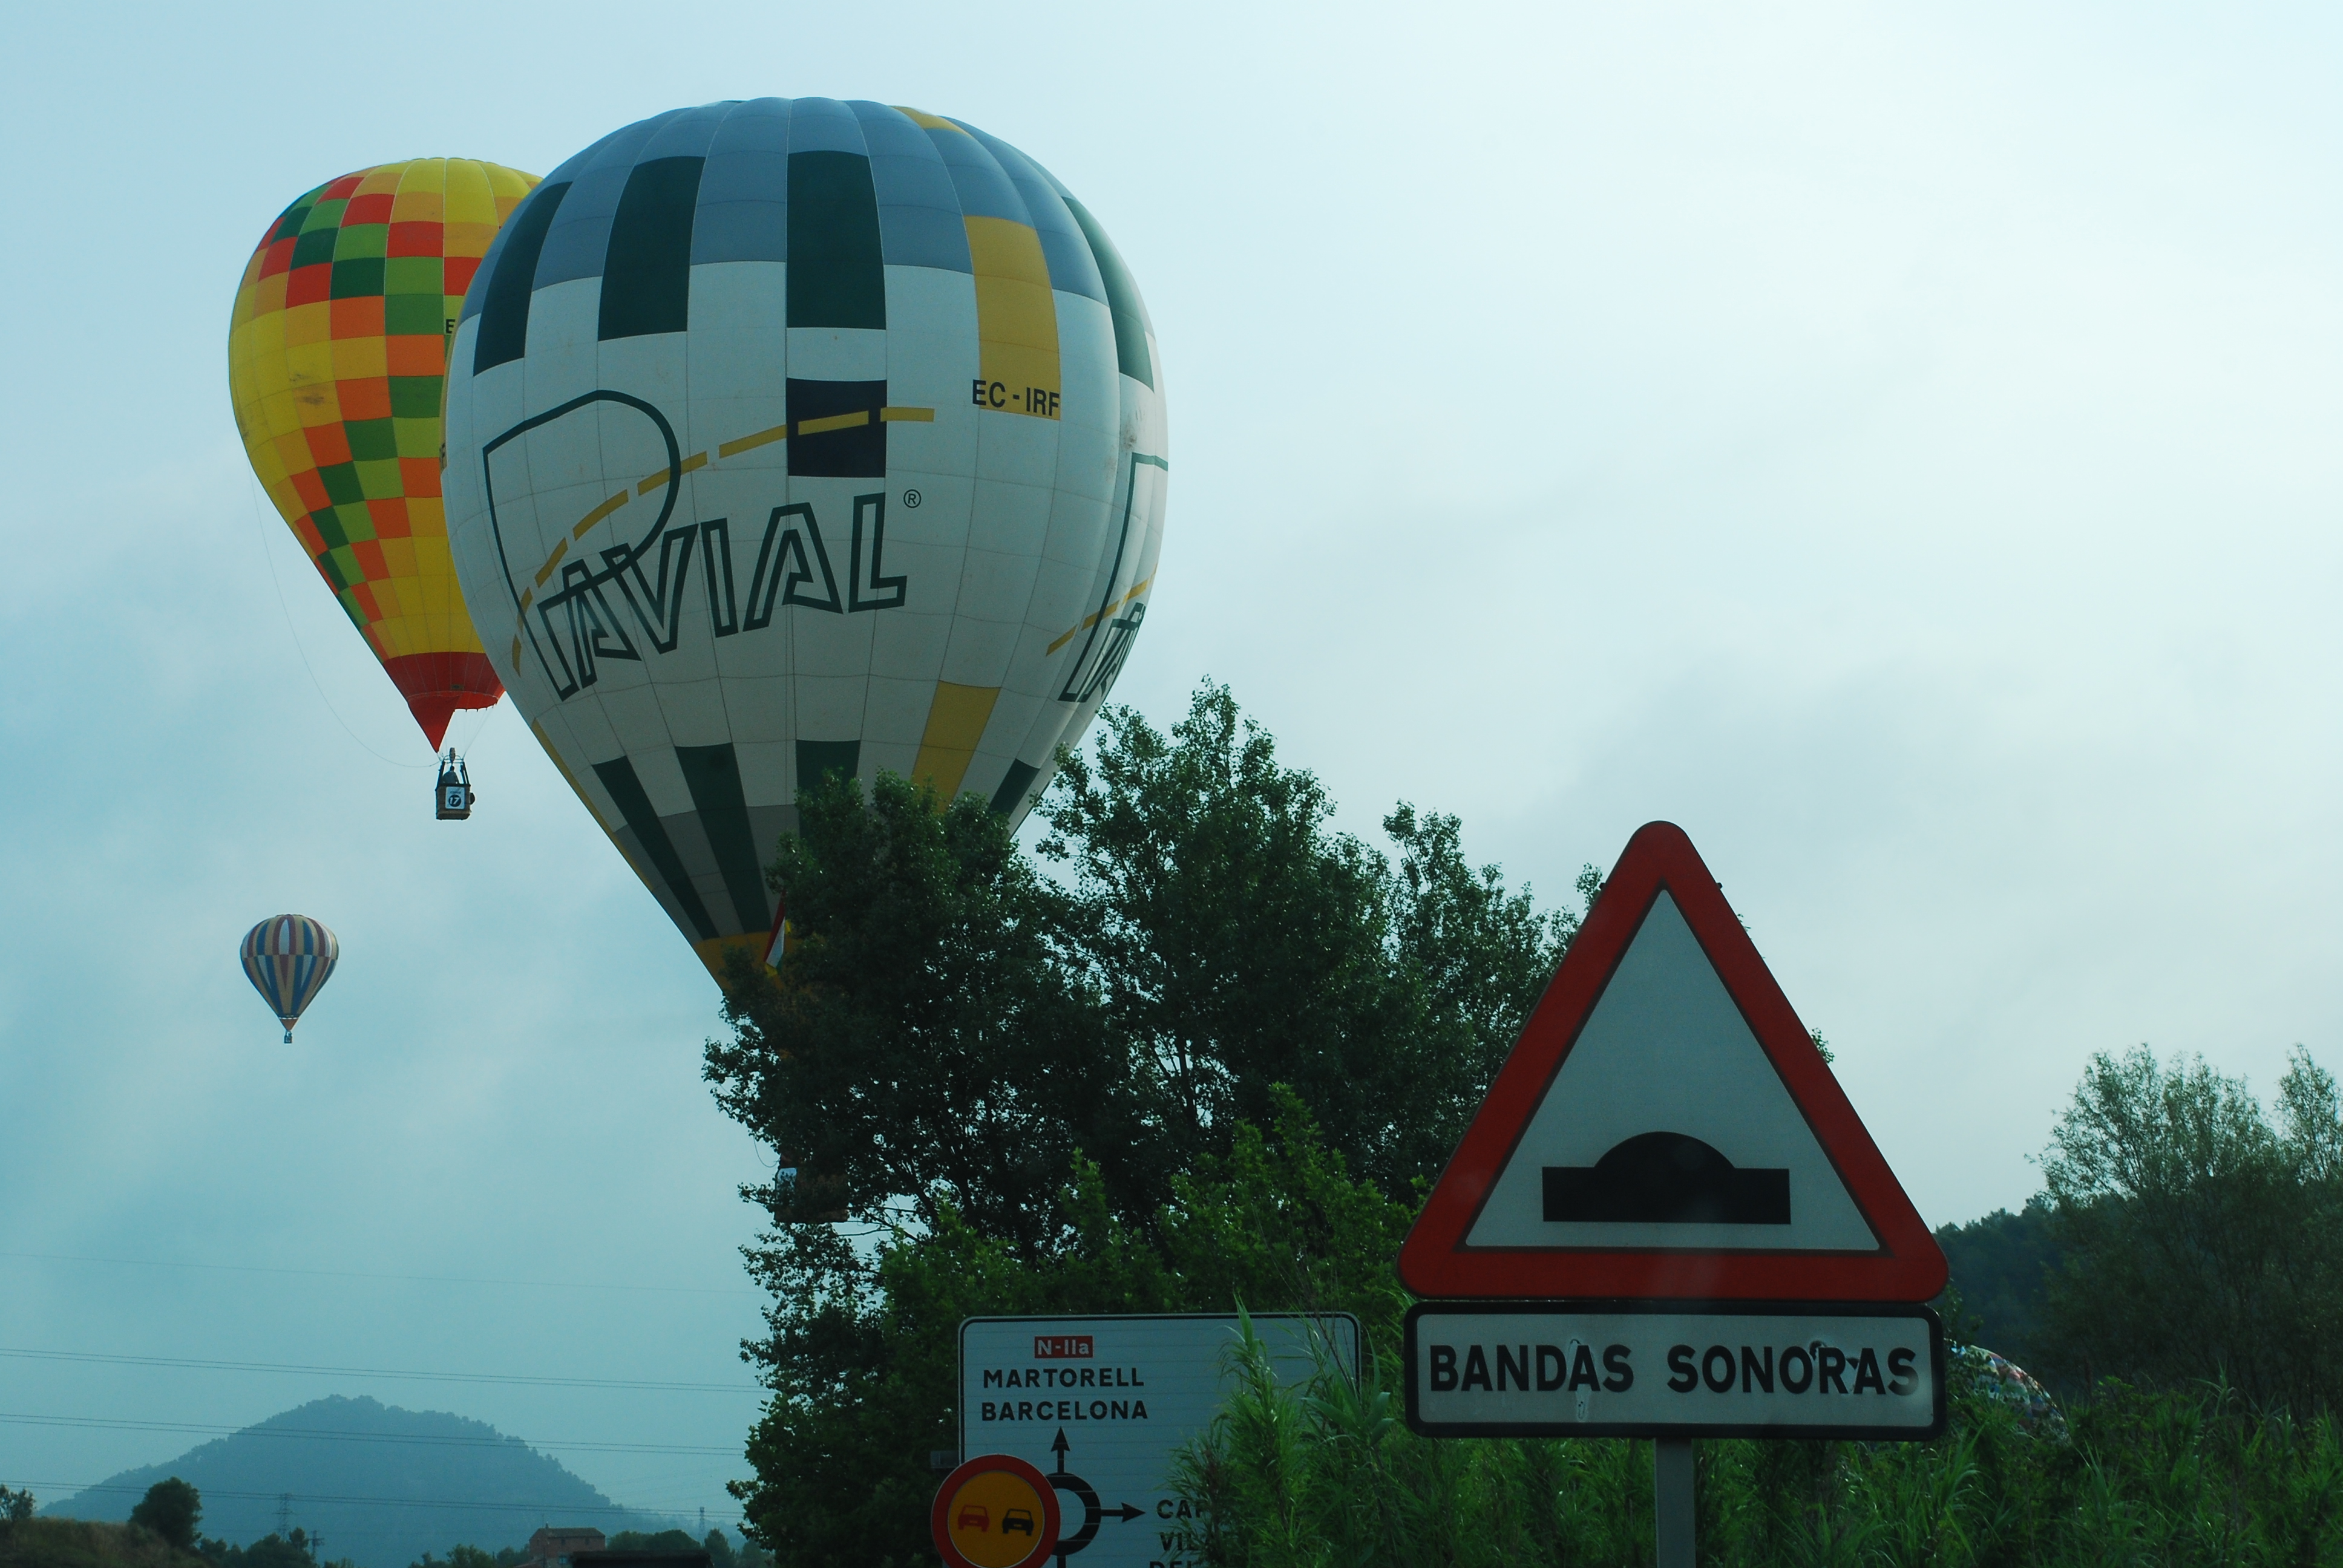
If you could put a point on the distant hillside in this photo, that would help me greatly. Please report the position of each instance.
(380, 1485)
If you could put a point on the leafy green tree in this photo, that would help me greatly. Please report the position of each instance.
(862, 1360)
(951, 1025)
(652, 1541)
(15, 1507)
(2001, 1264)
(2199, 1240)
(273, 1551)
(923, 1043)
(171, 1509)
(463, 1556)
(1209, 1055)
(1239, 942)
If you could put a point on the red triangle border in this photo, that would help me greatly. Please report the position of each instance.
(1435, 1262)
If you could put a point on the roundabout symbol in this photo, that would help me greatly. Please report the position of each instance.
(1063, 1480)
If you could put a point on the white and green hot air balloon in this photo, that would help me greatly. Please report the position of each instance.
(796, 435)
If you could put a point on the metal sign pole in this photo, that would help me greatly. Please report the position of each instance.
(1672, 1475)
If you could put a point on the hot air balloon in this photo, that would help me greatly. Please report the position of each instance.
(336, 350)
(792, 436)
(288, 958)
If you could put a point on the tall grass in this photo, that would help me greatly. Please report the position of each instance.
(1328, 1474)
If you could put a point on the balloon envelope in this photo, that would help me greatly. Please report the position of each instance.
(288, 958)
(792, 436)
(336, 351)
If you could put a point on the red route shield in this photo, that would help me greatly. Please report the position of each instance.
(1436, 1262)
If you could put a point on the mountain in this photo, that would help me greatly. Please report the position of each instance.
(378, 1484)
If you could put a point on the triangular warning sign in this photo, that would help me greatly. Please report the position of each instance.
(1664, 1128)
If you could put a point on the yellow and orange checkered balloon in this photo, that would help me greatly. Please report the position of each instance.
(337, 355)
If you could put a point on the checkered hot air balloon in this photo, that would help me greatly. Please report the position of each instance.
(337, 353)
(792, 436)
(288, 958)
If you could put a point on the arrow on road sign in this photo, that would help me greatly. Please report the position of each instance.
(1665, 1129)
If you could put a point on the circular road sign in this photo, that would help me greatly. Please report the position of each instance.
(995, 1511)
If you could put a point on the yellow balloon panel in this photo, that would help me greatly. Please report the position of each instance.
(336, 360)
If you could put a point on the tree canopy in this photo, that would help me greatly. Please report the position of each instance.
(2200, 1238)
(170, 1509)
(1199, 1048)
(955, 1020)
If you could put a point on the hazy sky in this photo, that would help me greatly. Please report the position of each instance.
(1899, 448)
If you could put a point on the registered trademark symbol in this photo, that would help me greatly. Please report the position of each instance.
(911, 498)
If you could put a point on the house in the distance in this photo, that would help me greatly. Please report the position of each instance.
(551, 1547)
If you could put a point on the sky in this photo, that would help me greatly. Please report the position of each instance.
(1896, 444)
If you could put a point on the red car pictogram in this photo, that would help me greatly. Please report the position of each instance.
(974, 1517)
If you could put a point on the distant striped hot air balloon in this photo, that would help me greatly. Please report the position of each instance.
(288, 958)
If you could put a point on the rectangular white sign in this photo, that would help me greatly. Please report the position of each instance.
(1100, 1405)
(1674, 1369)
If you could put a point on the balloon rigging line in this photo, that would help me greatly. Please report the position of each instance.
(513, 1378)
(417, 1279)
(312, 1433)
(261, 524)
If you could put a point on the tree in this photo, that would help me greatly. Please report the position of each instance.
(1239, 942)
(2199, 1240)
(862, 1360)
(653, 1540)
(951, 1025)
(2000, 1265)
(1211, 1059)
(924, 1041)
(15, 1507)
(464, 1556)
(274, 1550)
(171, 1509)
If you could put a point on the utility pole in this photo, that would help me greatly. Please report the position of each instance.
(284, 1514)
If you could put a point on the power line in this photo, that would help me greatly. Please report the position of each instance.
(417, 1279)
(511, 1378)
(448, 1440)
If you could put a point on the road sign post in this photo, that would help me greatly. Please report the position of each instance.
(1676, 1511)
(1667, 1220)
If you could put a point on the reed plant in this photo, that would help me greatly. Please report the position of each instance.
(1327, 1473)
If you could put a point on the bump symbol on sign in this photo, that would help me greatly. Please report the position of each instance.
(1666, 1128)
(1666, 1178)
